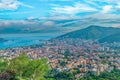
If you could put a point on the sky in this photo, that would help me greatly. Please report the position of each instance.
(62, 14)
(22, 9)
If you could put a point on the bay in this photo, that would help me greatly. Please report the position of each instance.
(17, 40)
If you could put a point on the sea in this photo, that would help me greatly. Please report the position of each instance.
(19, 40)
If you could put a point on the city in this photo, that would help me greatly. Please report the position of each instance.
(59, 39)
(83, 56)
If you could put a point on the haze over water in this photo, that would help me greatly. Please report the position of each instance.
(16, 40)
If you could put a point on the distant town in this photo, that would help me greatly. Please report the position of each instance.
(85, 56)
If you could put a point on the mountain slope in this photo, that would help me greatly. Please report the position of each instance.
(111, 38)
(94, 32)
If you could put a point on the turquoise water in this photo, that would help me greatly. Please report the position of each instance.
(16, 40)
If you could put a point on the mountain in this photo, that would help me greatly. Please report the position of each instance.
(111, 38)
(95, 33)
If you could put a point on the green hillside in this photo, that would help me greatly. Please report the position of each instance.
(94, 32)
(111, 38)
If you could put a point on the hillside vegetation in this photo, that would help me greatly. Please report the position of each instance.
(102, 34)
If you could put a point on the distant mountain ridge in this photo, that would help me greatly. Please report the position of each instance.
(102, 34)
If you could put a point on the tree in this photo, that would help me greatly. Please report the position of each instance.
(23, 68)
(3, 65)
(18, 65)
(37, 69)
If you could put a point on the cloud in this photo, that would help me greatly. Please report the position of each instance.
(12, 4)
(4, 23)
(87, 7)
(31, 18)
(59, 18)
(116, 25)
(25, 5)
(106, 6)
(49, 23)
(107, 9)
(21, 26)
(72, 10)
(103, 16)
